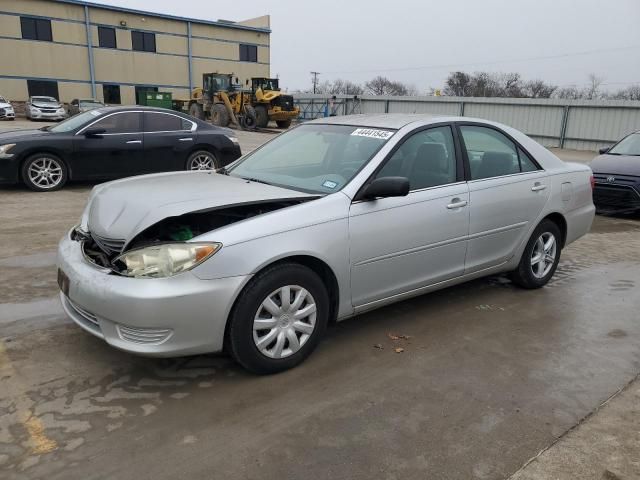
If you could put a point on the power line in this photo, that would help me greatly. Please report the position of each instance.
(493, 62)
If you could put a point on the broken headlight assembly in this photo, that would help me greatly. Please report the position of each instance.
(165, 260)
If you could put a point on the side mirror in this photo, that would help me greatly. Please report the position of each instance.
(94, 132)
(386, 187)
(604, 150)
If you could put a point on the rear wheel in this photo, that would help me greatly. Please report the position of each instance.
(249, 118)
(283, 123)
(540, 257)
(44, 172)
(219, 115)
(262, 116)
(195, 110)
(202, 160)
(278, 319)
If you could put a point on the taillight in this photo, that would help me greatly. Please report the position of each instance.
(593, 182)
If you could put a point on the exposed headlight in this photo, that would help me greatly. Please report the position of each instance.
(4, 149)
(166, 260)
(233, 139)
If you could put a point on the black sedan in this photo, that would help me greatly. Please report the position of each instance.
(617, 175)
(113, 142)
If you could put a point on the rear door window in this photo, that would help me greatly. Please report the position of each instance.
(162, 122)
(492, 154)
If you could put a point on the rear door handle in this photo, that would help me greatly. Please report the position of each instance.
(130, 142)
(537, 187)
(457, 203)
(186, 139)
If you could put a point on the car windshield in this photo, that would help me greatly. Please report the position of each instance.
(45, 99)
(629, 145)
(75, 122)
(90, 103)
(313, 158)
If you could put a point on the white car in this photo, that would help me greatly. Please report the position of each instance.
(44, 108)
(6, 110)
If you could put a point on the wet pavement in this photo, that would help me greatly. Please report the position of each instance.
(489, 376)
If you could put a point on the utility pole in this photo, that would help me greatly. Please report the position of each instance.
(315, 80)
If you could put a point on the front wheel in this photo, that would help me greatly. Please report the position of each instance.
(202, 160)
(540, 257)
(278, 319)
(44, 172)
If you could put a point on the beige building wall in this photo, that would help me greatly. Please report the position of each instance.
(66, 58)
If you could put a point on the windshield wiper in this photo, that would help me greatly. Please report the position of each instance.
(222, 171)
(249, 179)
(45, 129)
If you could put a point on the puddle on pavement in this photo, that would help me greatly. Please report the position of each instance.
(37, 260)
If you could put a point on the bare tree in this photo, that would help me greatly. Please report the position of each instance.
(383, 86)
(458, 84)
(593, 90)
(538, 89)
(630, 93)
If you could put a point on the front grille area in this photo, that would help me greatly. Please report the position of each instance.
(110, 246)
(147, 336)
(615, 197)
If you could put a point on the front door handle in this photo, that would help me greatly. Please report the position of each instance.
(131, 142)
(537, 187)
(186, 139)
(457, 203)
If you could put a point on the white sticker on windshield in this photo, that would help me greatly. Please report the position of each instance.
(372, 133)
(329, 184)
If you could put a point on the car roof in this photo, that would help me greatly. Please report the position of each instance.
(382, 120)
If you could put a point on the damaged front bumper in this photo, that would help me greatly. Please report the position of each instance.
(180, 315)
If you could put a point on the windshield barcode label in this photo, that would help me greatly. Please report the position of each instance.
(372, 133)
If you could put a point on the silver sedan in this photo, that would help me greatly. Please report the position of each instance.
(333, 218)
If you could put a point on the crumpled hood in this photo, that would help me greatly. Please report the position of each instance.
(124, 208)
(46, 105)
(616, 164)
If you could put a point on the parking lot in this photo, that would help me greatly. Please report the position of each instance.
(488, 375)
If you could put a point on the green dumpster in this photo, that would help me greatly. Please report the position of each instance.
(155, 99)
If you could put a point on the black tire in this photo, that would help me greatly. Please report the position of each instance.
(198, 157)
(219, 115)
(262, 116)
(58, 172)
(524, 276)
(283, 123)
(195, 110)
(249, 119)
(240, 332)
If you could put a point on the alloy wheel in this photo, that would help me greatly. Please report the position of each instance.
(202, 161)
(543, 255)
(45, 172)
(285, 320)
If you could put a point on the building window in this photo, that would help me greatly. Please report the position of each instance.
(36, 29)
(42, 88)
(107, 37)
(143, 41)
(111, 94)
(248, 53)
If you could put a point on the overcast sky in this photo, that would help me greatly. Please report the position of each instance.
(421, 41)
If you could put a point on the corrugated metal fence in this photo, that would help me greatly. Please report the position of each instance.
(576, 124)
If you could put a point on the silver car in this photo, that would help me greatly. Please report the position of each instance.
(79, 105)
(333, 218)
(44, 108)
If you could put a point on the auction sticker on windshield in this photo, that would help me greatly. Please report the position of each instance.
(372, 133)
